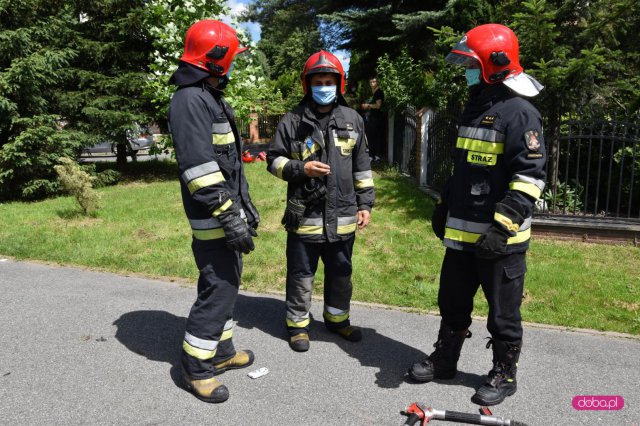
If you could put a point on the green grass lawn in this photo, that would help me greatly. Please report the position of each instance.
(142, 229)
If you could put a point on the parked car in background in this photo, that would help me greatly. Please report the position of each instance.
(137, 140)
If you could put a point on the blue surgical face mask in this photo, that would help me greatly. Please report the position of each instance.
(323, 95)
(473, 76)
(230, 69)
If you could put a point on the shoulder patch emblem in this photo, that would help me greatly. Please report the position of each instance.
(531, 137)
(488, 119)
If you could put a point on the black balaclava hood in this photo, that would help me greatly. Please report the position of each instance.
(188, 74)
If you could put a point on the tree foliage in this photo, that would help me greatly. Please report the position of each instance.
(168, 22)
(71, 74)
(290, 33)
(585, 52)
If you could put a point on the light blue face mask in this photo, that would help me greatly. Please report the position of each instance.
(473, 76)
(323, 95)
(230, 69)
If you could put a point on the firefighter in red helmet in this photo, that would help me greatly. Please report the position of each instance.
(216, 201)
(320, 149)
(484, 216)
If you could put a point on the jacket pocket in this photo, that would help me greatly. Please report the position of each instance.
(512, 287)
(227, 159)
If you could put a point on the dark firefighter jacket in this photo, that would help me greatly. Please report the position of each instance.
(299, 139)
(499, 154)
(208, 147)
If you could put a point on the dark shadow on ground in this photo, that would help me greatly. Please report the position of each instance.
(156, 335)
(70, 213)
(143, 171)
(391, 357)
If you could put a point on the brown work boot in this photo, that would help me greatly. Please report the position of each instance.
(299, 342)
(240, 360)
(207, 390)
(350, 332)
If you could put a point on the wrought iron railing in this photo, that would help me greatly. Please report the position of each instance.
(267, 124)
(596, 168)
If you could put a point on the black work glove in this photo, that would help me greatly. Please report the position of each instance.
(493, 243)
(439, 219)
(239, 234)
(256, 216)
(507, 219)
(314, 190)
(293, 214)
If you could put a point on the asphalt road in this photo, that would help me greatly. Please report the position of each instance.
(82, 347)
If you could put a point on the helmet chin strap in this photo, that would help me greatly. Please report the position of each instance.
(222, 82)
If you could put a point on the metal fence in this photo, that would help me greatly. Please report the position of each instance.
(593, 167)
(267, 124)
(404, 140)
(593, 170)
(441, 134)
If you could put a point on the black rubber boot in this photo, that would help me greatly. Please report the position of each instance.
(443, 362)
(501, 380)
(349, 332)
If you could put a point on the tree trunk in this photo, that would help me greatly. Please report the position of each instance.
(121, 156)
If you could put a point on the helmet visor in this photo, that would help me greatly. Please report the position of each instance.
(461, 54)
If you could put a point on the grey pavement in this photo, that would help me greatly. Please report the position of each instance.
(84, 347)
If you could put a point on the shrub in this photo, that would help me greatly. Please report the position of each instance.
(79, 184)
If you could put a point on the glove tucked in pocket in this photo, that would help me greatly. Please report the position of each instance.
(293, 214)
(256, 216)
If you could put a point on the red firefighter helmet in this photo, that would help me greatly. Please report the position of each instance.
(494, 46)
(247, 157)
(322, 62)
(211, 46)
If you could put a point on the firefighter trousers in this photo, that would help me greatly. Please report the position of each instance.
(208, 337)
(302, 263)
(502, 282)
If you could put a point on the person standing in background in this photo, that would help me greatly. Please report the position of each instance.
(374, 120)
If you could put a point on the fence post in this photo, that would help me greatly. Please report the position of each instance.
(254, 133)
(426, 115)
(390, 136)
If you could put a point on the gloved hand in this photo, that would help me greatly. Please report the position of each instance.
(439, 219)
(508, 217)
(493, 243)
(239, 234)
(314, 190)
(293, 214)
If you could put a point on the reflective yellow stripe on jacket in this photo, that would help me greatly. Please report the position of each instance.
(315, 226)
(486, 141)
(222, 134)
(459, 231)
(201, 176)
